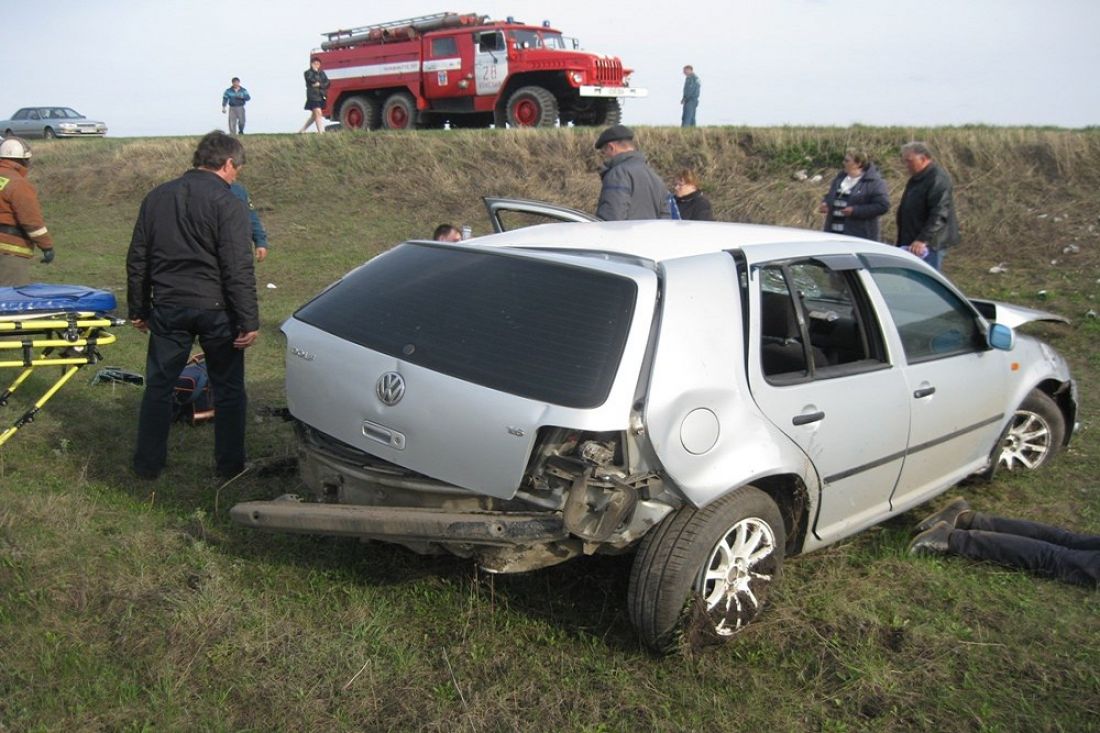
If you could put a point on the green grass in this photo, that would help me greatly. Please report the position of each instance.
(134, 606)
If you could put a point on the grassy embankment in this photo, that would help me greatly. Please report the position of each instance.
(137, 606)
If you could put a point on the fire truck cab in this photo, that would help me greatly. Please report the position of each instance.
(469, 71)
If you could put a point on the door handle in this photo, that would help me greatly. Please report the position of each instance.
(807, 418)
(924, 392)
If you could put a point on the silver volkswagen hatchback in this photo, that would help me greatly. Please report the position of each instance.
(712, 397)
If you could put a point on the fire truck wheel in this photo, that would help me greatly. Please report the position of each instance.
(359, 113)
(532, 107)
(399, 112)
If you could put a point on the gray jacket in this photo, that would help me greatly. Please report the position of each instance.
(631, 190)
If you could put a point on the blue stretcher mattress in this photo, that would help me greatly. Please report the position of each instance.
(46, 297)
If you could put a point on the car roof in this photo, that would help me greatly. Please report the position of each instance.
(658, 241)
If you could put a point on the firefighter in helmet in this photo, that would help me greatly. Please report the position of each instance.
(21, 225)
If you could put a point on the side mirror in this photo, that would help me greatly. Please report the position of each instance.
(1001, 337)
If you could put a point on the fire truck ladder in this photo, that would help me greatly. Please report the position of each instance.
(405, 28)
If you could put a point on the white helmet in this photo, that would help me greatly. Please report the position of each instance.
(14, 147)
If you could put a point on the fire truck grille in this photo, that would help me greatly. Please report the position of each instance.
(609, 71)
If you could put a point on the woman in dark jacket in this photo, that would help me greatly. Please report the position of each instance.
(856, 199)
(689, 199)
(316, 90)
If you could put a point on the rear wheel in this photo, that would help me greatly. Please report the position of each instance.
(359, 113)
(532, 107)
(8, 133)
(399, 112)
(1035, 434)
(706, 573)
(48, 133)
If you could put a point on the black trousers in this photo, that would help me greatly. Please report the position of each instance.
(1040, 548)
(172, 331)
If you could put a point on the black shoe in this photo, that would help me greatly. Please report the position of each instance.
(952, 513)
(932, 541)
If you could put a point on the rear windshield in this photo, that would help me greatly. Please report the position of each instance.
(545, 331)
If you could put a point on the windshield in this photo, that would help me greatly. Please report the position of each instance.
(549, 332)
(535, 39)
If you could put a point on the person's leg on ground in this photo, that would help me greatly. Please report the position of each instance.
(1034, 530)
(169, 346)
(1073, 566)
(225, 365)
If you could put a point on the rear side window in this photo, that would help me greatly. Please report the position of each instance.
(540, 330)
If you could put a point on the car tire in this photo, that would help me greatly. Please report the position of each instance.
(1034, 436)
(9, 133)
(399, 112)
(532, 107)
(705, 573)
(359, 113)
(49, 134)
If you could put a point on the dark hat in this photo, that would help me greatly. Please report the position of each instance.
(614, 133)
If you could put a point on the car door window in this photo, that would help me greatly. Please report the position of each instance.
(816, 322)
(21, 114)
(932, 321)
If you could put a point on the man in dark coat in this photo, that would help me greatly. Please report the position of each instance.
(189, 275)
(631, 190)
(927, 225)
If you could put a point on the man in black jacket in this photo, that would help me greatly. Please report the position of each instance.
(189, 274)
(927, 225)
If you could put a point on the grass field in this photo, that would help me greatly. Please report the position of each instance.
(134, 606)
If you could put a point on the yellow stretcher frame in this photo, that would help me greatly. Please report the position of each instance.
(70, 340)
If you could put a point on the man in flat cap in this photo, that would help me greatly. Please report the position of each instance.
(631, 190)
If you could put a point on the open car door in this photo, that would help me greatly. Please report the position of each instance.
(508, 214)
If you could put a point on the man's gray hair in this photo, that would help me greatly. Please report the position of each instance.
(917, 148)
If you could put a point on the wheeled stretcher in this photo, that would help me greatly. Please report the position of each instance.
(51, 325)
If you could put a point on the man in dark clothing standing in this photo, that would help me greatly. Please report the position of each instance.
(927, 225)
(189, 274)
(631, 190)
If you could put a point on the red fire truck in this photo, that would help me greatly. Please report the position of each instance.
(470, 71)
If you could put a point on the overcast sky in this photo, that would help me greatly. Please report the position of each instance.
(158, 67)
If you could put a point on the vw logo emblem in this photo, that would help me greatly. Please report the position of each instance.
(390, 388)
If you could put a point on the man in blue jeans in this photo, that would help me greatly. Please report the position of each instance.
(690, 98)
(1017, 543)
(189, 275)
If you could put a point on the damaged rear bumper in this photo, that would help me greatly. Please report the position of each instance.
(398, 524)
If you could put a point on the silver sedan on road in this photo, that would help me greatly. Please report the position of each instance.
(50, 122)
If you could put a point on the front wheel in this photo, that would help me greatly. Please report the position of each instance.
(49, 134)
(1035, 434)
(399, 112)
(706, 573)
(532, 107)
